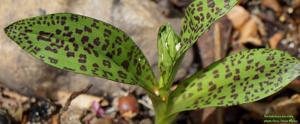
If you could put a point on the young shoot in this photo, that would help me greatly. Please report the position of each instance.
(92, 47)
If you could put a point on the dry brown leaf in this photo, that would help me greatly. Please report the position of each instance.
(272, 4)
(260, 26)
(274, 40)
(249, 33)
(238, 16)
(285, 106)
(295, 3)
(249, 29)
(258, 108)
(207, 112)
(215, 41)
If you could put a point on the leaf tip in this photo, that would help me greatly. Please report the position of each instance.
(7, 29)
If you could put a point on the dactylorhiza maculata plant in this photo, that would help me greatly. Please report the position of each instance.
(88, 46)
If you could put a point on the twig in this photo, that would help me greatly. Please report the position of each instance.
(217, 39)
(71, 98)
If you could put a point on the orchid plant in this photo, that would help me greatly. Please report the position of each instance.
(92, 47)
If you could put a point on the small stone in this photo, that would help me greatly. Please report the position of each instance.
(128, 106)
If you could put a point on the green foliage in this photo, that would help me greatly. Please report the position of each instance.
(83, 45)
(168, 43)
(92, 47)
(244, 77)
(199, 16)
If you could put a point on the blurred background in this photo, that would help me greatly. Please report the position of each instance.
(32, 92)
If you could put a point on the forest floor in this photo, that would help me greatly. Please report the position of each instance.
(251, 24)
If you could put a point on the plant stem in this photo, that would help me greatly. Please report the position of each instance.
(161, 111)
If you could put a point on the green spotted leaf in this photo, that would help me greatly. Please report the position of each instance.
(83, 45)
(168, 44)
(199, 16)
(244, 77)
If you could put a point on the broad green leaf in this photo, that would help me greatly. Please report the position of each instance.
(199, 16)
(244, 77)
(168, 44)
(83, 45)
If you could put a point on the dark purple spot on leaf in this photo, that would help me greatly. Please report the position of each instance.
(84, 39)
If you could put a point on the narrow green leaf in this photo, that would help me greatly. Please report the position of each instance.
(83, 45)
(168, 44)
(199, 16)
(244, 77)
